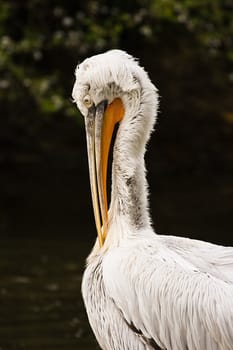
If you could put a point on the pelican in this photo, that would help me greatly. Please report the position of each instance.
(141, 290)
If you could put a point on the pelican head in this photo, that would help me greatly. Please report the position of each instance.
(112, 88)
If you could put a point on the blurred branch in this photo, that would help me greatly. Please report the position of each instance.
(42, 41)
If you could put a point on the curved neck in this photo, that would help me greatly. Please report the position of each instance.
(129, 188)
(129, 198)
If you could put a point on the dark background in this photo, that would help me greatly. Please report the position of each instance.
(46, 220)
(187, 50)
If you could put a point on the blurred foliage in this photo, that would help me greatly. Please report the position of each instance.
(41, 42)
(38, 37)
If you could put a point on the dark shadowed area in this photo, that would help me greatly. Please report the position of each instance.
(46, 221)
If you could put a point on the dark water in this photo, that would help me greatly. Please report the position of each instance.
(47, 230)
(40, 301)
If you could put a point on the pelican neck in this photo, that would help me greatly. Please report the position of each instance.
(129, 190)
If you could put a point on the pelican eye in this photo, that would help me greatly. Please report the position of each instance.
(87, 100)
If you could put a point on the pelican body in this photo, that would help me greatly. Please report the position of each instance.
(142, 291)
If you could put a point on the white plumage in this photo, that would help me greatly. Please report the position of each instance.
(142, 290)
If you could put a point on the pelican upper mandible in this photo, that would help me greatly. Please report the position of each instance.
(142, 291)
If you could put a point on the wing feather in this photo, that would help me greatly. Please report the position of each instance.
(169, 298)
(211, 258)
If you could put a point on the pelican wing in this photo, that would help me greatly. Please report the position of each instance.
(167, 299)
(210, 258)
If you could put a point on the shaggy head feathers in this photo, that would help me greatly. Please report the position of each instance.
(110, 75)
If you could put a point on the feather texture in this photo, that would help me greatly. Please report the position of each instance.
(144, 291)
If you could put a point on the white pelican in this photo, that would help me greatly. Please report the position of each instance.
(142, 290)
